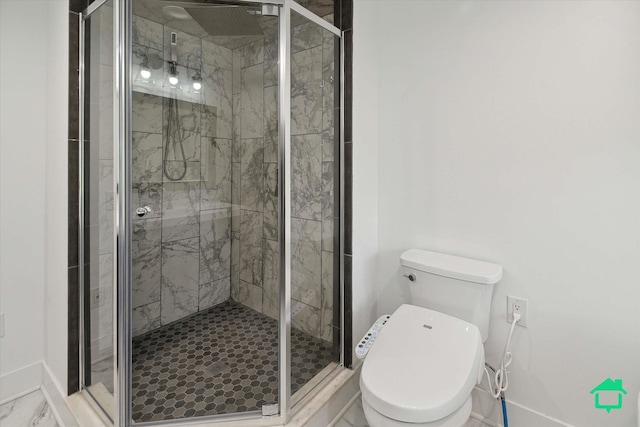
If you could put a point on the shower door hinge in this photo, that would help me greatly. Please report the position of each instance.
(270, 409)
(270, 10)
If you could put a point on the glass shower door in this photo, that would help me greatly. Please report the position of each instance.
(314, 201)
(98, 240)
(204, 209)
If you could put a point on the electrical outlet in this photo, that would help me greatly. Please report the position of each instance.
(517, 305)
(1, 325)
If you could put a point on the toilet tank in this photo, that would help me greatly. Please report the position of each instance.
(460, 287)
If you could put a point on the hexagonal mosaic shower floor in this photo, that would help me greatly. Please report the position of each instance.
(219, 361)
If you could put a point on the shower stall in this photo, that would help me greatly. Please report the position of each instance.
(211, 231)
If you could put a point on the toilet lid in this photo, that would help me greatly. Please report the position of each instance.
(422, 366)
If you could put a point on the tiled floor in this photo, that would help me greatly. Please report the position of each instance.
(30, 410)
(354, 417)
(221, 360)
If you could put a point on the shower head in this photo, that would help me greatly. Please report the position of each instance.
(227, 20)
(154, 61)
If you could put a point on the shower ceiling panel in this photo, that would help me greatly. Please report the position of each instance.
(227, 20)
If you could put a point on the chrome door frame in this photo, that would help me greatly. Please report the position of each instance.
(82, 17)
(122, 64)
(284, 208)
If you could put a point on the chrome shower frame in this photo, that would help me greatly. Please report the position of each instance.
(124, 212)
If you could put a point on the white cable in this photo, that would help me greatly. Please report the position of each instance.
(500, 381)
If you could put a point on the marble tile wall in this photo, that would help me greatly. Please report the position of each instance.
(213, 233)
(254, 223)
(248, 175)
(182, 248)
(312, 146)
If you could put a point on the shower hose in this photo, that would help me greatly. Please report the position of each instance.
(173, 135)
(500, 379)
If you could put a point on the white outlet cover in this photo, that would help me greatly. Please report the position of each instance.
(523, 304)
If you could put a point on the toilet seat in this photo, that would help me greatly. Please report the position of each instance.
(422, 366)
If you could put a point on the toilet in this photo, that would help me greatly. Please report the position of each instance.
(425, 361)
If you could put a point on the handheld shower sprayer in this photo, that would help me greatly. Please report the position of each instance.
(174, 124)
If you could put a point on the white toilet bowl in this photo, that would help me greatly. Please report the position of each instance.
(421, 370)
(457, 419)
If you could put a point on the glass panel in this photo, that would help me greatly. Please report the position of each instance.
(315, 333)
(205, 234)
(98, 181)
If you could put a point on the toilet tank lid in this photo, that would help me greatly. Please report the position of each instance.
(455, 267)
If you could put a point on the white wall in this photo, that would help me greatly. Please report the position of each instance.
(365, 170)
(509, 132)
(56, 242)
(23, 91)
(33, 183)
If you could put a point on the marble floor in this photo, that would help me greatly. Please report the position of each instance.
(354, 417)
(31, 410)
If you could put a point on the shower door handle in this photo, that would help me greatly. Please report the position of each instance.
(143, 211)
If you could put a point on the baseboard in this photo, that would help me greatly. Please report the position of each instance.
(37, 376)
(22, 381)
(489, 411)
